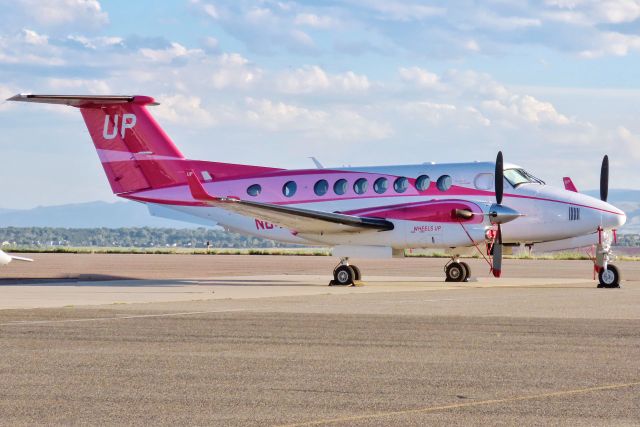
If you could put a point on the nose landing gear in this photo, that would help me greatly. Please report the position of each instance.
(608, 274)
(609, 277)
(346, 275)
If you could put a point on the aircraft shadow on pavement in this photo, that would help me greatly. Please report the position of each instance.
(95, 280)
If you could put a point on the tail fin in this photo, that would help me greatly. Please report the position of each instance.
(135, 152)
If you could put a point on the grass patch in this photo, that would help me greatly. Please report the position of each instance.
(313, 251)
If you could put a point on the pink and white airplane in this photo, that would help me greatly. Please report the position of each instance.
(376, 211)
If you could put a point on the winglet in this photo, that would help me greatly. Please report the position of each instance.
(197, 189)
(568, 184)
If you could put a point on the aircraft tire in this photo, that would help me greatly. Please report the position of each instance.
(344, 275)
(609, 278)
(455, 272)
(356, 270)
(467, 272)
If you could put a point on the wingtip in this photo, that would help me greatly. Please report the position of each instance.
(18, 97)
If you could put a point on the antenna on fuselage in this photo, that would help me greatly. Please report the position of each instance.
(316, 162)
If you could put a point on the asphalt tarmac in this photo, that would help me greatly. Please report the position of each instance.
(285, 349)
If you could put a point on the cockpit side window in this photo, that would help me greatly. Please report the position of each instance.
(518, 177)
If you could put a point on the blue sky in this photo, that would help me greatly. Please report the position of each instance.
(554, 84)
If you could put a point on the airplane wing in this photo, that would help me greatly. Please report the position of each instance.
(296, 219)
(6, 258)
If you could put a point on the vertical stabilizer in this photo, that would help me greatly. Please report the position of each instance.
(135, 152)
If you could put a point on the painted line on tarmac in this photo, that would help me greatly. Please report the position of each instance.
(98, 319)
(430, 409)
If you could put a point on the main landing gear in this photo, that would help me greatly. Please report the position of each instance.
(457, 271)
(608, 274)
(346, 274)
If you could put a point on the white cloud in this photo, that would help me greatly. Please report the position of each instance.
(311, 79)
(492, 21)
(169, 54)
(336, 125)
(234, 70)
(82, 86)
(276, 116)
(631, 141)
(87, 13)
(315, 21)
(211, 10)
(598, 11)
(211, 44)
(476, 97)
(420, 77)
(29, 47)
(31, 37)
(612, 43)
(401, 10)
(95, 42)
(524, 107)
(184, 110)
(442, 114)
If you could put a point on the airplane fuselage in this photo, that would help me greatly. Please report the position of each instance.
(548, 213)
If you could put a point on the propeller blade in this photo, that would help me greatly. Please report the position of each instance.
(499, 177)
(604, 179)
(497, 254)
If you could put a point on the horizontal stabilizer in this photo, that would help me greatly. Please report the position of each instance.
(297, 219)
(84, 100)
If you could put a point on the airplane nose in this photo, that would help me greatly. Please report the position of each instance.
(615, 218)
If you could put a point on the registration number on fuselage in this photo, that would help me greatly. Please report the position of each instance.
(264, 225)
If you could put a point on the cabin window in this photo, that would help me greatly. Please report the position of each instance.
(360, 186)
(254, 190)
(340, 187)
(444, 183)
(484, 181)
(321, 187)
(423, 182)
(401, 184)
(380, 185)
(289, 188)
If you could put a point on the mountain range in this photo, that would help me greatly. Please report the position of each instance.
(130, 214)
(89, 215)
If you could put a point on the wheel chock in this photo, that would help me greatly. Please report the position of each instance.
(356, 283)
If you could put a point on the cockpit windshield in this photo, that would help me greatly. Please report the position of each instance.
(517, 177)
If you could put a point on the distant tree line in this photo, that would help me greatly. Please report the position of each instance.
(629, 240)
(144, 237)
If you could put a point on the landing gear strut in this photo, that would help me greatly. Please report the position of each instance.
(457, 271)
(608, 274)
(345, 274)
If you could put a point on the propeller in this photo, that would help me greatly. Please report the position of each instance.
(604, 179)
(499, 214)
